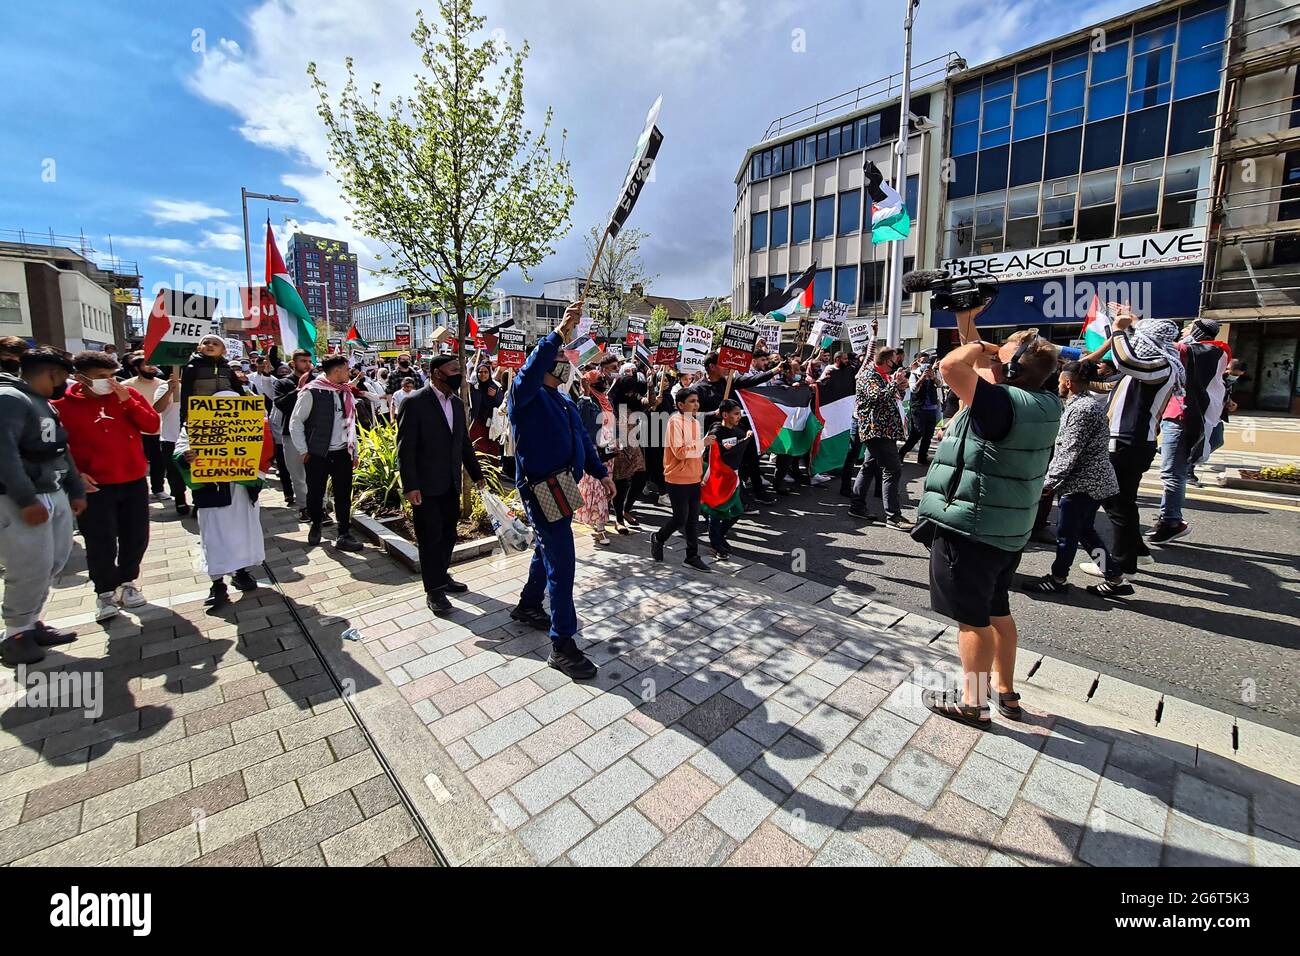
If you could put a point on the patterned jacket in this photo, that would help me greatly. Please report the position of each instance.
(1081, 463)
(876, 406)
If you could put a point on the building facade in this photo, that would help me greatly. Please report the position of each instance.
(800, 197)
(325, 273)
(535, 315)
(1080, 171)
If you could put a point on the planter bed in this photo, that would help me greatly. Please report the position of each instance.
(1249, 480)
(394, 535)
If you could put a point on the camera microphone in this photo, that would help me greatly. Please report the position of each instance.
(952, 293)
(925, 280)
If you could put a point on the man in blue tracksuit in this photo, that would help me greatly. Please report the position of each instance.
(550, 437)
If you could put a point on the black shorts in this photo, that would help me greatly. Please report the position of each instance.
(970, 581)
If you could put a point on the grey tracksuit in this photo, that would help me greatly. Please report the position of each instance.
(35, 466)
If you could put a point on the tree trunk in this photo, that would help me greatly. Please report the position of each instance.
(462, 324)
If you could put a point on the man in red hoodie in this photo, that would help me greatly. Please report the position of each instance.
(104, 420)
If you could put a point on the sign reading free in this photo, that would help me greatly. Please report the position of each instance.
(177, 321)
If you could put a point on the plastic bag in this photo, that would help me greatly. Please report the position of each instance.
(511, 529)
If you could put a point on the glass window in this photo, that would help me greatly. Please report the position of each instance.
(965, 139)
(1021, 234)
(993, 169)
(777, 160)
(1111, 63)
(1152, 96)
(1101, 144)
(787, 156)
(824, 218)
(1058, 211)
(1185, 194)
(798, 153)
(1031, 120)
(850, 212)
(1027, 162)
(1145, 134)
(1070, 66)
(966, 106)
(1067, 94)
(846, 284)
(961, 214)
(1022, 202)
(833, 143)
(757, 289)
(990, 220)
(757, 231)
(911, 196)
(963, 177)
(997, 114)
(1031, 87)
(767, 163)
(800, 222)
(1153, 39)
(821, 287)
(780, 226)
(1198, 74)
(1191, 123)
(1063, 153)
(1097, 189)
(995, 88)
(1195, 33)
(873, 282)
(777, 282)
(1106, 100)
(822, 146)
(810, 149)
(1151, 69)
(997, 137)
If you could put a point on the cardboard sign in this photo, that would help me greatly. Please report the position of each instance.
(647, 148)
(234, 350)
(402, 335)
(227, 434)
(738, 344)
(335, 344)
(614, 351)
(261, 318)
(859, 336)
(176, 323)
(696, 343)
(769, 333)
(636, 325)
(832, 318)
(670, 344)
(512, 349)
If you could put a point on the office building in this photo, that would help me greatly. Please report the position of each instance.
(325, 273)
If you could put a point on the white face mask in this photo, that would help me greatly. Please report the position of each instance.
(101, 386)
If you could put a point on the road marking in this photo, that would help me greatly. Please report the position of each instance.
(1268, 503)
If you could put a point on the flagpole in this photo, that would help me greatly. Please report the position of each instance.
(894, 322)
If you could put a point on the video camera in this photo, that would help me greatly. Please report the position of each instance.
(952, 293)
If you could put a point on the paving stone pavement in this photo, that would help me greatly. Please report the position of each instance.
(748, 717)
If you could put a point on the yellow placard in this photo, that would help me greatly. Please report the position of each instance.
(227, 435)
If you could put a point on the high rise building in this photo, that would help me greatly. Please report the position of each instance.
(325, 273)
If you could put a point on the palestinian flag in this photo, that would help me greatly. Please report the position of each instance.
(833, 409)
(355, 337)
(1096, 327)
(582, 351)
(297, 330)
(889, 218)
(782, 417)
(794, 299)
(720, 493)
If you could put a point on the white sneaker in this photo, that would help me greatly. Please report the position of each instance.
(128, 595)
(1146, 561)
(106, 606)
(820, 480)
(1090, 567)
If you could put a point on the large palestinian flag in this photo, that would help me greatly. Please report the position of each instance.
(297, 330)
(834, 411)
(782, 418)
(889, 218)
(720, 493)
(794, 299)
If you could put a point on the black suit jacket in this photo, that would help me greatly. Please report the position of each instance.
(429, 454)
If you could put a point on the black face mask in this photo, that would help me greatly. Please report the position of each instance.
(454, 382)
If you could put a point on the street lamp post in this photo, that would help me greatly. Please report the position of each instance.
(894, 317)
(244, 197)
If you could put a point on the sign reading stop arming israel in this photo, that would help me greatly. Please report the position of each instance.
(226, 433)
(696, 343)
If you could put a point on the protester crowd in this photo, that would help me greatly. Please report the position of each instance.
(91, 441)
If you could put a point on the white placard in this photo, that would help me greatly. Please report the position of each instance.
(234, 350)
(697, 341)
(859, 336)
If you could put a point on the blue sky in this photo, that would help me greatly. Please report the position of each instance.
(152, 127)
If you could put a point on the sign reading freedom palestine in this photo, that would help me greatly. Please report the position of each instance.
(511, 348)
(670, 343)
(738, 342)
(227, 435)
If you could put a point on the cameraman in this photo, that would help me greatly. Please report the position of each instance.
(924, 385)
(1003, 437)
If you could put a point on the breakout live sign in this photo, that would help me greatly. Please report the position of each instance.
(227, 435)
(738, 342)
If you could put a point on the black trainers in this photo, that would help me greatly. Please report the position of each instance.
(303, 515)
(567, 659)
(346, 542)
(697, 563)
(313, 535)
(438, 603)
(455, 587)
(243, 580)
(532, 616)
(656, 547)
(1164, 533)
(182, 508)
(218, 595)
(48, 636)
(21, 649)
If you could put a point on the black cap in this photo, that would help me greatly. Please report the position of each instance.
(440, 360)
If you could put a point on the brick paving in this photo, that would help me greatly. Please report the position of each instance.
(749, 717)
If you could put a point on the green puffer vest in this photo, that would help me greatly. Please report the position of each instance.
(996, 497)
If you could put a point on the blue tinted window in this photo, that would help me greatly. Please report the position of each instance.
(993, 169)
(777, 282)
(1031, 120)
(776, 160)
(767, 163)
(821, 287)
(756, 167)
(1151, 69)
(780, 226)
(800, 222)
(846, 284)
(1106, 100)
(850, 212)
(798, 153)
(1067, 94)
(1144, 99)
(963, 179)
(965, 139)
(1075, 65)
(966, 106)
(1154, 39)
(824, 218)
(757, 289)
(1111, 63)
(757, 231)
(1200, 74)
(1196, 32)
(1031, 87)
(997, 88)
(998, 137)
(997, 114)
(1066, 120)
(912, 194)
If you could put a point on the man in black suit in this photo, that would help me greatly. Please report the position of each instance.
(432, 444)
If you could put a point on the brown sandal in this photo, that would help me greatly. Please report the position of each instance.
(948, 704)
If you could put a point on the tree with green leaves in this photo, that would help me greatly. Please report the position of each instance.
(616, 277)
(448, 178)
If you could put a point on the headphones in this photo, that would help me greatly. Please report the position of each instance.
(1011, 371)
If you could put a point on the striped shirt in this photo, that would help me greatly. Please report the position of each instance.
(1138, 399)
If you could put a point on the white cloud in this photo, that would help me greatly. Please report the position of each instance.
(190, 270)
(226, 241)
(188, 211)
(153, 243)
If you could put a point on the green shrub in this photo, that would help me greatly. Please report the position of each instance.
(1281, 473)
(376, 481)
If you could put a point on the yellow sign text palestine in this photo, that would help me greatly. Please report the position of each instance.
(227, 435)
